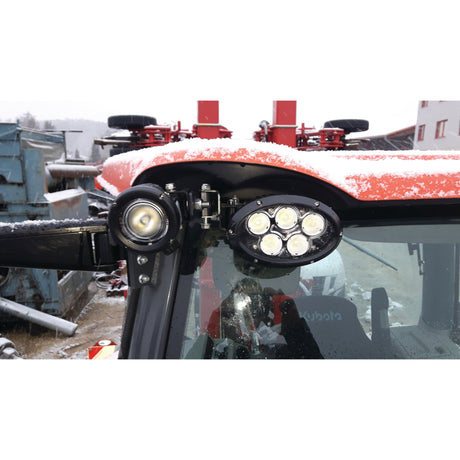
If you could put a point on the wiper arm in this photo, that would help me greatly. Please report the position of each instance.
(369, 253)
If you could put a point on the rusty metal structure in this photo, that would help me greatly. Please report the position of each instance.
(38, 183)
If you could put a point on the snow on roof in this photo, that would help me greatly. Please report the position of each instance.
(372, 175)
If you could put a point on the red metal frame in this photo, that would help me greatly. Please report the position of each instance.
(208, 127)
(285, 131)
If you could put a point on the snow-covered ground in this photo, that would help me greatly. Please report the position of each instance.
(364, 273)
(101, 318)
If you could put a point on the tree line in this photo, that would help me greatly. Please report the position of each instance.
(27, 120)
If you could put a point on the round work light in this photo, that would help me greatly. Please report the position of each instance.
(144, 218)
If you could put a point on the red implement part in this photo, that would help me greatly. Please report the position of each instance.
(284, 123)
(284, 131)
(323, 139)
(208, 126)
(208, 120)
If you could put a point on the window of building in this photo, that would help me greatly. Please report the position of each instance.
(424, 104)
(421, 133)
(441, 129)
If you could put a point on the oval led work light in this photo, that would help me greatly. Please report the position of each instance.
(285, 230)
(144, 218)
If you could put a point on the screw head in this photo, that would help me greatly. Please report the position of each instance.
(142, 260)
(144, 279)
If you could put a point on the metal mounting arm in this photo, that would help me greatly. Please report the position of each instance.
(71, 244)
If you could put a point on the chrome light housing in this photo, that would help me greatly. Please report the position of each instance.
(144, 218)
(285, 230)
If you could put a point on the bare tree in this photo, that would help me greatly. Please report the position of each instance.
(48, 125)
(27, 120)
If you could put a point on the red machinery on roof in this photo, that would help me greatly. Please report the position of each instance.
(145, 132)
(365, 176)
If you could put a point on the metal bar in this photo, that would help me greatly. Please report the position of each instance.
(38, 317)
(369, 253)
(59, 171)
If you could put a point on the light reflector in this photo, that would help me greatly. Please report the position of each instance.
(144, 220)
(286, 218)
(258, 223)
(271, 244)
(313, 224)
(298, 245)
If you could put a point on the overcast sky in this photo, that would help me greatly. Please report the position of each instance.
(354, 59)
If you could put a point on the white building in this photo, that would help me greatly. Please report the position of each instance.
(438, 126)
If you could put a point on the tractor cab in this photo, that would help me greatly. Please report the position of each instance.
(239, 249)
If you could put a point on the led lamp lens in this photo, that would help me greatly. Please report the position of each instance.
(258, 223)
(298, 245)
(313, 224)
(284, 231)
(271, 244)
(145, 220)
(286, 218)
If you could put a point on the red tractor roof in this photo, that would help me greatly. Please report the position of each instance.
(368, 176)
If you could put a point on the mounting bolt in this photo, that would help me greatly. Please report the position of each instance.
(171, 187)
(205, 187)
(144, 279)
(317, 204)
(142, 260)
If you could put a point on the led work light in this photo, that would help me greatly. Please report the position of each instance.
(144, 218)
(287, 230)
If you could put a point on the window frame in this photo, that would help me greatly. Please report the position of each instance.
(421, 133)
(441, 129)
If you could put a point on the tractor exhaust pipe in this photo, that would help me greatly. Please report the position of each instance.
(38, 317)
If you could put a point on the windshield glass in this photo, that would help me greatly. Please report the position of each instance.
(385, 292)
